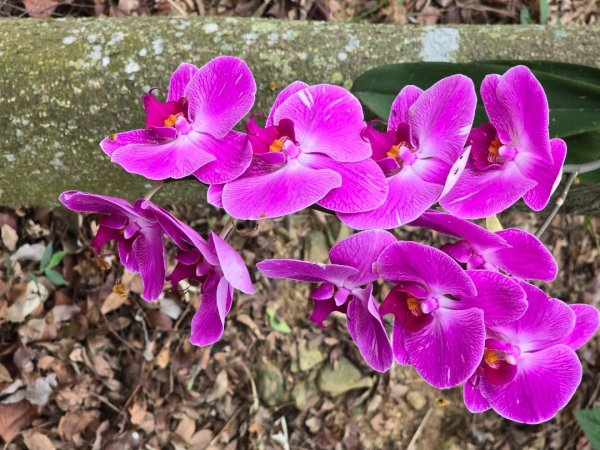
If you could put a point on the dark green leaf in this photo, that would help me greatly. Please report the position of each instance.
(583, 148)
(56, 259)
(46, 256)
(276, 324)
(55, 277)
(525, 16)
(574, 105)
(544, 12)
(589, 420)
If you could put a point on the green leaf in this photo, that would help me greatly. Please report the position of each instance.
(55, 277)
(276, 324)
(56, 259)
(589, 420)
(583, 148)
(544, 11)
(574, 104)
(525, 16)
(46, 256)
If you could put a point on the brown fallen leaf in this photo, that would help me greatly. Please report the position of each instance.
(186, 428)
(74, 423)
(9, 237)
(15, 416)
(34, 295)
(4, 375)
(34, 440)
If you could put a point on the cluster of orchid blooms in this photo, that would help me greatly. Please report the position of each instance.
(464, 314)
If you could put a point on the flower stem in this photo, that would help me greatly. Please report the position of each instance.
(227, 228)
(153, 190)
(557, 204)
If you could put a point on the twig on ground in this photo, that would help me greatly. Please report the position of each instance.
(153, 190)
(412, 445)
(582, 168)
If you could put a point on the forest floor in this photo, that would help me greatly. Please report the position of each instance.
(89, 364)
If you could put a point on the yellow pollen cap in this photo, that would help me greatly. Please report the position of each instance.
(170, 121)
(394, 151)
(276, 146)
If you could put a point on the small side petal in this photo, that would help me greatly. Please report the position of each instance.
(368, 333)
(287, 189)
(500, 298)
(233, 266)
(548, 179)
(472, 397)
(293, 269)
(209, 321)
(150, 254)
(363, 188)
(545, 382)
(527, 257)
(214, 195)
(401, 106)
(232, 156)
(587, 320)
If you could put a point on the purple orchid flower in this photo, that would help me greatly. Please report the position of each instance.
(511, 157)
(514, 251)
(311, 151)
(345, 286)
(425, 138)
(214, 264)
(191, 133)
(441, 310)
(138, 235)
(530, 370)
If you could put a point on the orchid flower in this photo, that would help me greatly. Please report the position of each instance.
(191, 133)
(310, 151)
(345, 286)
(529, 370)
(138, 235)
(511, 157)
(441, 310)
(425, 137)
(214, 264)
(514, 251)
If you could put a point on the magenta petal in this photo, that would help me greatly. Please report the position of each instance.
(232, 154)
(286, 93)
(361, 251)
(501, 299)
(456, 171)
(286, 190)
(546, 322)
(517, 107)
(175, 159)
(115, 141)
(537, 198)
(233, 266)
(472, 397)
(311, 272)
(363, 184)
(545, 382)
(587, 320)
(327, 119)
(219, 95)
(441, 118)
(406, 261)
(214, 195)
(479, 194)
(94, 203)
(179, 81)
(215, 303)
(401, 106)
(368, 333)
(408, 197)
(395, 303)
(528, 258)
(448, 351)
(151, 258)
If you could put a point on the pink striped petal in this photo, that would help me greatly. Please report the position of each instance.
(587, 321)
(399, 112)
(548, 178)
(179, 81)
(232, 156)
(286, 93)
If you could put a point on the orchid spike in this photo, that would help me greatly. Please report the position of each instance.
(511, 157)
(345, 285)
(310, 151)
(441, 311)
(138, 235)
(425, 137)
(214, 264)
(513, 251)
(191, 133)
(529, 370)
